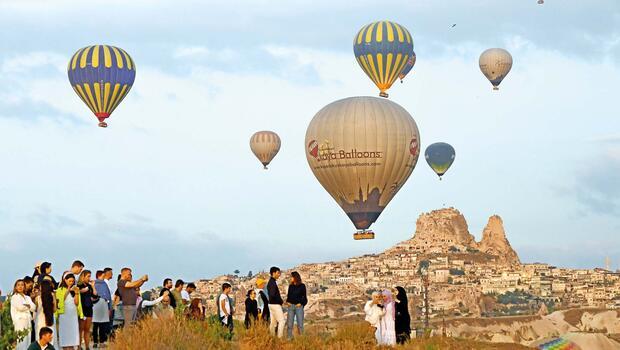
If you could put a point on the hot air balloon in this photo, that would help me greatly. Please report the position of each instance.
(382, 49)
(495, 65)
(408, 66)
(265, 145)
(440, 157)
(101, 75)
(362, 150)
(540, 2)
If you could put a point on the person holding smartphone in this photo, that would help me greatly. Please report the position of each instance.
(69, 311)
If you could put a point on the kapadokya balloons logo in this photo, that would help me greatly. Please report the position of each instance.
(313, 149)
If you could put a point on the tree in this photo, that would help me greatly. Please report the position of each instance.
(8, 336)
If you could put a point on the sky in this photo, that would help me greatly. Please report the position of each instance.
(171, 188)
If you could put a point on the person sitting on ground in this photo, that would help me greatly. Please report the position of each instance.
(46, 335)
(167, 286)
(196, 310)
(251, 308)
(146, 305)
(164, 310)
(374, 312)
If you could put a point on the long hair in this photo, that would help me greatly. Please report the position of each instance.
(63, 283)
(83, 276)
(47, 300)
(43, 268)
(296, 278)
(15, 286)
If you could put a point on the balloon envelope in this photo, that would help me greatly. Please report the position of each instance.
(382, 49)
(265, 145)
(495, 65)
(440, 157)
(408, 66)
(362, 150)
(102, 76)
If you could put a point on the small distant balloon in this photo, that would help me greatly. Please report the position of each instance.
(265, 145)
(102, 76)
(382, 50)
(440, 157)
(454, 25)
(540, 2)
(408, 66)
(495, 65)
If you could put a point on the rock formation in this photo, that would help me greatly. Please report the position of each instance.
(494, 242)
(442, 230)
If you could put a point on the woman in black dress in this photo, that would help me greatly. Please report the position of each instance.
(402, 320)
(88, 294)
(251, 308)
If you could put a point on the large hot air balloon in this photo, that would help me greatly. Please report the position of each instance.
(362, 150)
(440, 157)
(382, 49)
(101, 75)
(407, 67)
(495, 65)
(265, 145)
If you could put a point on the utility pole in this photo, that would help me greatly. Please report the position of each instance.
(443, 321)
(426, 304)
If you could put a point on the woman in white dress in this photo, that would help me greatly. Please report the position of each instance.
(46, 308)
(22, 308)
(388, 328)
(69, 311)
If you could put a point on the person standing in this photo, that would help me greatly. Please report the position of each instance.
(77, 267)
(402, 318)
(128, 291)
(69, 311)
(22, 308)
(297, 299)
(46, 307)
(275, 303)
(195, 310)
(46, 336)
(87, 295)
(388, 330)
(45, 275)
(263, 301)
(251, 308)
(101, 310)
(176, 294)
(225, 307)
(374, 312)
(186, 294)
(167, 287)
(30, 291)
(108, 274)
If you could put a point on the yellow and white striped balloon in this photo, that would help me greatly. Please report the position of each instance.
(265, 145)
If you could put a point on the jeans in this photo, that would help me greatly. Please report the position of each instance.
(276, 320)
(295, 312)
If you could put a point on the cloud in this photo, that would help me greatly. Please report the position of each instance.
(191, 51)
(597, 187)
(30, 61)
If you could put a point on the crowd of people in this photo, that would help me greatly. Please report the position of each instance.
(389, 316)
(66, 313)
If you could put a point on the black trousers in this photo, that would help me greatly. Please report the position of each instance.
(100, 332)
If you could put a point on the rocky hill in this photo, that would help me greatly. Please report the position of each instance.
(445, 231)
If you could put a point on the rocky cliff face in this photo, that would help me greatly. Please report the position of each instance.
(440, 230)
(494, 242)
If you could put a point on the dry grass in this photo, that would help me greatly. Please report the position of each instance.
(188, 335)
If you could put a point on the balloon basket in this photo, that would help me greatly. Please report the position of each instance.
(383, 94)
(361, 235)
(103, 124)
(495, 88)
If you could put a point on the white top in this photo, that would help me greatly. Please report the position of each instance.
(185, 295)
(226, 305)
(147, 303)
(22, 308)
(373, 313)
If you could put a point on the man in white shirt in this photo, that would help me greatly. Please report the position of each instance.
(225, 308)
(186, 294)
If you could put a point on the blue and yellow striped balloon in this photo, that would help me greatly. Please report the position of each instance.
(101, 75)
(408, 66)
(382, 49)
